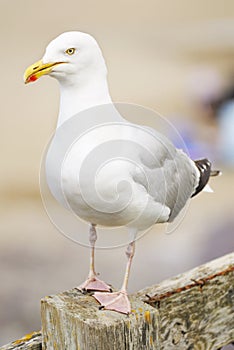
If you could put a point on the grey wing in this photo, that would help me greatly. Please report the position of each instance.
(182, 179)
(171, 176)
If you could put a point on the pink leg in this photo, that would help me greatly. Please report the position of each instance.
(92, 282)
(118, 301)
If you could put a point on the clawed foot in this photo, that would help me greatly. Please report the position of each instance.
(94, 283)
(117, 301)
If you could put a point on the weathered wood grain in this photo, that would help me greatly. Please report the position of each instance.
(73, 321)
(194, 310)
(32, 341)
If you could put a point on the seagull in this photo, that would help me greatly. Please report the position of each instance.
(151, 187)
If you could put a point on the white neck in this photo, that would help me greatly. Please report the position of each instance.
(76, 97)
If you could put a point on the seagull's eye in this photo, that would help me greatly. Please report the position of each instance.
(70, 51)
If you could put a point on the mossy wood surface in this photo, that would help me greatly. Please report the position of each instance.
(32, 341)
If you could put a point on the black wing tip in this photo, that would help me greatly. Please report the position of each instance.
(215, 173)
(202, 162)
(204, 167)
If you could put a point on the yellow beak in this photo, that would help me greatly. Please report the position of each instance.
(37, 70)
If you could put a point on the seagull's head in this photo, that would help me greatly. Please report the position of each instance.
(70, 57)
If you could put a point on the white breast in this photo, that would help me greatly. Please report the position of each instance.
(105, 176)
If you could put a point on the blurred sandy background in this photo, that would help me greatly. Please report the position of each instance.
(176, 57)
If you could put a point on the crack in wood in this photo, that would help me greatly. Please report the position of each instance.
(155, 299)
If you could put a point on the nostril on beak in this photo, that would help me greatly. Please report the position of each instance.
(35, 67)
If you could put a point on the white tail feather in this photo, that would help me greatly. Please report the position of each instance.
(207, 188)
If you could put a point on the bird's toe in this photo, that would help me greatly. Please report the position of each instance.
(117, 301)
(95, 284)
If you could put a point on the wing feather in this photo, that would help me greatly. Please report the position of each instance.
(171, 179)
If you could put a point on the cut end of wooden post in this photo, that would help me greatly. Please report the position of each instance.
(72, 320)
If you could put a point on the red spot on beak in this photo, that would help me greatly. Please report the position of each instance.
(32, 78)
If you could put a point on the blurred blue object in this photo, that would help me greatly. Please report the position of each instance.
(226, 132)
(196, 147)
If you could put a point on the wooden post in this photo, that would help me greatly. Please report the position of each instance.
(72, 320)
(194, 310)
(32, 341)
